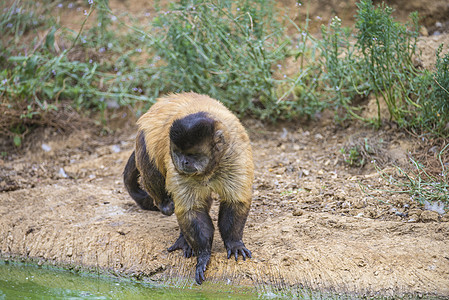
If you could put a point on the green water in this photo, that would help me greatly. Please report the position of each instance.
(31, 282)
(20, 281)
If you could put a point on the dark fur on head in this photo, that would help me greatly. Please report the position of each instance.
(191, 130)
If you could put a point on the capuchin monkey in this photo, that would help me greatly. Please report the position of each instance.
(188, 146)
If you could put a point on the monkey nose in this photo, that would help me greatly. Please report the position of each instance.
(188, 167)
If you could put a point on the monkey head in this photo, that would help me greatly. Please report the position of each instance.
(195, 144)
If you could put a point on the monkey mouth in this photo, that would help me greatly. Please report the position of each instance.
(190, 170)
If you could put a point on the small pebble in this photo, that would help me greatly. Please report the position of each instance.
(62, 173)
(46, 147)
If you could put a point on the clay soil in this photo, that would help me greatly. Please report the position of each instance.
(315, 222)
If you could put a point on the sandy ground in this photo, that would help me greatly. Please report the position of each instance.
(315, 222)
(310, 223)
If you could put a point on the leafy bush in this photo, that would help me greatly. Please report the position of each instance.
(227, 49)
(22, 16)
(344, 74)
(224, 49)
(40, 76)
(300, 95)
(388, 48)
(435, 113)
(379, 62)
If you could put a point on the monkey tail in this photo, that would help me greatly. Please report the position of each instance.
(130, 178)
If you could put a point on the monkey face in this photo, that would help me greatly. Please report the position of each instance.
(193, 161)
(191, 143)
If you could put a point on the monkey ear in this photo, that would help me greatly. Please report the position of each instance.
(219, 140)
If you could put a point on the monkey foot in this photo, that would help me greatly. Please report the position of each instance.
(182, 244)
(236, 248)
(203, 260)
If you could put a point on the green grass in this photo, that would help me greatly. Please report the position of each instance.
(388, 48)
(227, 49)
(379, 62)
(435, 113)
(22, 17)
(419, 184)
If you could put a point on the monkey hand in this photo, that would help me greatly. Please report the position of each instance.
(182, 244)
(203, 260)
(167, 207)
(234, 248)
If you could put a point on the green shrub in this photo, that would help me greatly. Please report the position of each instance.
(345, 75)
(300, 95)
(435, 113)
(39, 77)
(22, 16)
(379, 62)
(388, 47)
(225, 49)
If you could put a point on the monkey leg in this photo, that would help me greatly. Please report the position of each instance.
(181, 244)
(231, 221)
(131, 180)
(152, 180)
(198, 230)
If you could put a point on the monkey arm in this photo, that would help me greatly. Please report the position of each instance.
(152, 179)
(231, 221)
(130, 178)
(198, 230)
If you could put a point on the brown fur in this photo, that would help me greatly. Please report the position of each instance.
(229, 173)
(232, 181)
